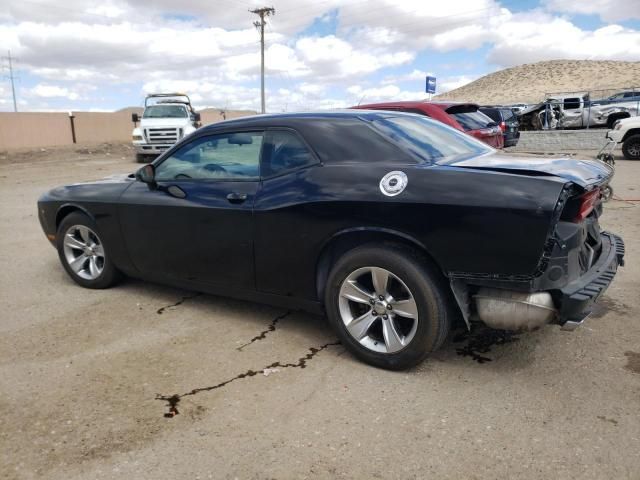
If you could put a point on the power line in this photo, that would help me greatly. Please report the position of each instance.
(262, 13)
(11, 77)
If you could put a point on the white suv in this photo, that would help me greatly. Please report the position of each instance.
(627, 132)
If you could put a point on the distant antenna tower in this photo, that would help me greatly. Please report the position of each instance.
(11, 77)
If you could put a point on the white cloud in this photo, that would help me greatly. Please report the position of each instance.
(212, 50)
(607, 10)
(449, 83)
(524, 39)
(386, 93)
(52, 91)
(415, 75)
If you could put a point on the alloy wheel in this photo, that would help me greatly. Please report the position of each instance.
(83, 252)
(378, 309)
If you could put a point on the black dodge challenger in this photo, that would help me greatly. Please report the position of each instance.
(391, 224)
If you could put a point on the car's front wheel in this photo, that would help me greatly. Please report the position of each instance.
(388, 306)
(631, 147)
(83, 253)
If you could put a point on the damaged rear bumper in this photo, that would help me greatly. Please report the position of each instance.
(508, 307)
(578, 297)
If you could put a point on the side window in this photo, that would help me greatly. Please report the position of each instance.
(492, 113)
(507, 114)
(285, 151)
(571, 103)
(228, 156)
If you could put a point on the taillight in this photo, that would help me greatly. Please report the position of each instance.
(503, 126)
(587, 203)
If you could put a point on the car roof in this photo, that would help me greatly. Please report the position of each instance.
(282, 119)
(443, 104)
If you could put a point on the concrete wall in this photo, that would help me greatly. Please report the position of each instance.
(44, 129)
(34, 129)
(95, 127)
(561, 140)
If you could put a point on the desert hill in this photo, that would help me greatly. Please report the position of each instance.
(528, 83)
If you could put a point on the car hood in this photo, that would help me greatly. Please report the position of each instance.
(117, 178)
(578, 171)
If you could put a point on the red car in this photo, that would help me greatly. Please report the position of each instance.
(463, 116)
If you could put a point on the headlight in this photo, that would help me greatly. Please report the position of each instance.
(136, 138)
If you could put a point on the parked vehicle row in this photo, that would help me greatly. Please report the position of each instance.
(507, 120)
(394, 225)
(466, 117)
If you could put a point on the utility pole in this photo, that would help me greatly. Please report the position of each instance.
(262, 13)
(12, 79)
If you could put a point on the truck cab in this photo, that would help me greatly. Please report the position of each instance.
(167, 118)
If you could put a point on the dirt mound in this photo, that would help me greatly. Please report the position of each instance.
(528, 83)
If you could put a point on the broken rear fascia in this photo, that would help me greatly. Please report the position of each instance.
(558, 267)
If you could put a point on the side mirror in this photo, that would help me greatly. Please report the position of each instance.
(196, 116)
(147, 174)
(135, 118)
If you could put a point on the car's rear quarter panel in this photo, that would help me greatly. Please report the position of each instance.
(467, 220)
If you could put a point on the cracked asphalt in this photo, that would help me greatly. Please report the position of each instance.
(148, 382)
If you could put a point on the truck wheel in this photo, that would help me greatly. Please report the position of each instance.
(389, 307)
(83, 254)
(631, 147)
(142, 158)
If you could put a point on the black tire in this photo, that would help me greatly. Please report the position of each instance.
(109, 274)
(142, 158)
(426, 284)
(631, 147)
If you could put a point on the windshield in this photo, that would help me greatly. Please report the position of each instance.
(430, 140)
(165, 111)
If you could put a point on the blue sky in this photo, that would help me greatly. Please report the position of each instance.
(106, 54)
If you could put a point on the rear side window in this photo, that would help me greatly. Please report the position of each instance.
(472, 120)
(284, 151)
(430, 140)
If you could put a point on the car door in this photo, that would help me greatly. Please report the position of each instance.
(284, 230)
(196, 225)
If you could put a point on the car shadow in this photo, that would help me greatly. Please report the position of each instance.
(479, 346)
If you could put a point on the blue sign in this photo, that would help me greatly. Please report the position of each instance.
(431, 85)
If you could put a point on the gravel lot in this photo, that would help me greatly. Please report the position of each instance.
(81, 370)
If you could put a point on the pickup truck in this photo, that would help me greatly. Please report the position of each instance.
(574, 111)
(627, 132)
(167, 118)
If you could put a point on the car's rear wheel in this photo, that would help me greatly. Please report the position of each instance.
(83, 253)
(388, 306)
(631, 147)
